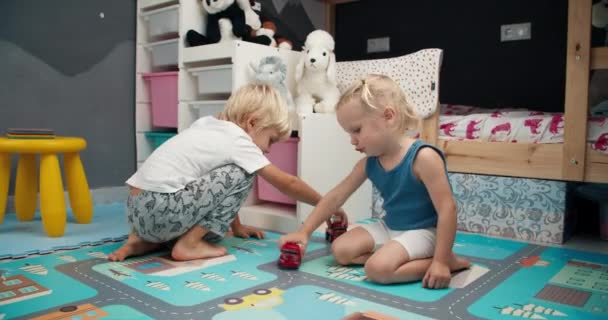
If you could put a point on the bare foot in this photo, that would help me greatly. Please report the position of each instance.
(458, 263)
(185, 251)
(134, 246)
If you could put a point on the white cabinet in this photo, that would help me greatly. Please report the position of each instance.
(326, 157)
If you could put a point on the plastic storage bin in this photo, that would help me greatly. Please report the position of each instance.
(158, 138)
(162, 23)
(285, 156)
(208, 107)
(163, 96)
(214, 80)
(163, 53)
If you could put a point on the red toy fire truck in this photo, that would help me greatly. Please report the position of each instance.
(336, 229)
(291, 256)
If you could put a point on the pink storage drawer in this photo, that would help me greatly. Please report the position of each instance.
(285, 156)
(163, 96)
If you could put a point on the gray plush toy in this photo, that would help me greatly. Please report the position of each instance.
(272, 70)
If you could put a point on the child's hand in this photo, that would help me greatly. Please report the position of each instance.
(245, 232)
(437, 276)
(297, 237)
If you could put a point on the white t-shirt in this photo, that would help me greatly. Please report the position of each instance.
(207, 144)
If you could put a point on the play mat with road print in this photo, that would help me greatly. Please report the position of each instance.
(508, 280)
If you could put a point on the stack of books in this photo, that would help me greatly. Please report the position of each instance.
(30, 133)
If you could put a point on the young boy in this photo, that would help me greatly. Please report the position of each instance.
(192, 187)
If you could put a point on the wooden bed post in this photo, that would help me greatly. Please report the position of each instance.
(330, 18)
(430, 127)
(577, 87)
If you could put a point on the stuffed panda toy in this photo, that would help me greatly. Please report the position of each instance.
(226, 20)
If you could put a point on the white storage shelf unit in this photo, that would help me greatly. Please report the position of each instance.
(206, 77)
(157, 49)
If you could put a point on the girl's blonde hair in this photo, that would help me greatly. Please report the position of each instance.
(264, 103)
(376, 92)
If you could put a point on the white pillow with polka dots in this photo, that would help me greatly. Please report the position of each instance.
(417, 74)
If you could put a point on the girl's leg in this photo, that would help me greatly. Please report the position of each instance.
(353, 247)
(391, 264)
(134, 246)
(405, 258)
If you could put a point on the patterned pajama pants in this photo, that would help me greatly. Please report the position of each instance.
(211, 202)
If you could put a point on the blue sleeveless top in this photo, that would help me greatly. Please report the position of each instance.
(407, 202)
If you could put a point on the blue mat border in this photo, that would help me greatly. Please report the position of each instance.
(6, 257)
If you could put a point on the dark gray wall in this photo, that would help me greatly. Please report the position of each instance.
(478, 69)
(65, 67)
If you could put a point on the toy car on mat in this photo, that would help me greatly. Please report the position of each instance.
(336, 229)
(291, 256)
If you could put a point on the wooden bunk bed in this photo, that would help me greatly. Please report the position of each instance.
(573, 160)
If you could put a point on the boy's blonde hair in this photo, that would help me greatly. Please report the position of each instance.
(264, 103)
(375, 92)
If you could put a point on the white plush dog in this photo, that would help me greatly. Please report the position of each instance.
(315, 75)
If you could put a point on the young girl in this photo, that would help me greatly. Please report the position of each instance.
(414, 240)
(192, 186)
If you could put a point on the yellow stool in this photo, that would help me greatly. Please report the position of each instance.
(52, 202)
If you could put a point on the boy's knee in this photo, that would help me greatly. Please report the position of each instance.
(378, 272)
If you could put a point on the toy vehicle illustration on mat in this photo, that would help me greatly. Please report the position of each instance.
(336, 229)
(291, 256)
(368, 315)
(85, 311)
(259, 299)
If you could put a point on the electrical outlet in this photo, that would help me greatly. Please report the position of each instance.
(517, 31)
(378, 45)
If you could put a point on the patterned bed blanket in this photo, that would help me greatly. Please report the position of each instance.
(458, 122)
